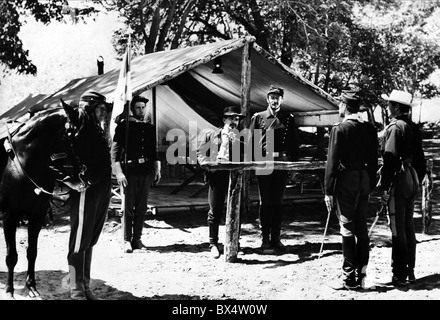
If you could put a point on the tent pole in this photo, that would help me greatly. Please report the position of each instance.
(154, 114)
(245, 109)
(237, 182)
(153, 107)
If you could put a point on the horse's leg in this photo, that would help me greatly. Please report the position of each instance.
(10, 229)
(34, 228)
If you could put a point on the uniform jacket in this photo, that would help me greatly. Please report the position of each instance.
(353, 145)
(141, 145)
(285, 134)
(401, 145)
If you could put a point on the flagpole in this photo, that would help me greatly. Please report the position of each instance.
(128, 97)
(127, 110)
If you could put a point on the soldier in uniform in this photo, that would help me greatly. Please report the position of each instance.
(89, 203)
(350, 176)
(403, 169)
(140, 170)
(274, 137)
(217, 146)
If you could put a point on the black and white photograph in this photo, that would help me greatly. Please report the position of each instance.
(225, 157)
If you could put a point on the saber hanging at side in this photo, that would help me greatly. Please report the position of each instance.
(325, 232)
(382, 212)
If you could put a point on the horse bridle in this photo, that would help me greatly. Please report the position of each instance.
(69, 133)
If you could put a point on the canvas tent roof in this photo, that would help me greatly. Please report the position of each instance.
(187, 90)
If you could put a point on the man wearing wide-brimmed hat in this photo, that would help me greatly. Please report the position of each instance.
(403, 169)
(219, 145)
(350, 176)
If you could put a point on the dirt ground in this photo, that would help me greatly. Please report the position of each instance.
(177, 265)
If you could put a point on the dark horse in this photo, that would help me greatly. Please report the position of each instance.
(30, 166)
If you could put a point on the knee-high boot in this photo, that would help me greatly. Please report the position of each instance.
(349, 264)
(76, 274)
(275, 224)
(265, 224)
(128, 227)
(138, 225)
(213, 233)
(363, 256)
(87, 268)
(398, 258)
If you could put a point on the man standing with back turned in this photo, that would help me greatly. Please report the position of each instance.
(403, 169)
(350, 176)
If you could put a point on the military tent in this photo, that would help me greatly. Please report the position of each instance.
(183, 89)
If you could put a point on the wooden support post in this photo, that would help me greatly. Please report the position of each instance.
(427, 187)
(245, 109)
(239, 183)
(233, 215)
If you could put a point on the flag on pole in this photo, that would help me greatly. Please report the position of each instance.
(123, 92)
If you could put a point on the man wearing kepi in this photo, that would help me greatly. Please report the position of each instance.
(138, 172)
(274, 138)
(218, 146)
(89, 203)
(350, 176)
(403, 169)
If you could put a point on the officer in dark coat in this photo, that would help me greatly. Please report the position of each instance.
(135, 166)
(350, 176)
(218, 146)
(89, 203)
(403, 169)
(274, 138)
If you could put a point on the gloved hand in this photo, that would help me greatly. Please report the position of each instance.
(385, 197)
(120, 176)
(157, 172)
(76, 185)
(329, 202)
(122, 180)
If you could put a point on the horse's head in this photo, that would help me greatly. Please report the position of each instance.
(75, 119)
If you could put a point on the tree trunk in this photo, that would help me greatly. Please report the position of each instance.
(166, 27)
(178, 33)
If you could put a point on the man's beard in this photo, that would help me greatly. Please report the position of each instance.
(139, 117)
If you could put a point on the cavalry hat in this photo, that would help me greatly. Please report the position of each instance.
(232, 111)
(351, 100)
(139, 99)
(93, 98)
(399, 96)
(276, 90)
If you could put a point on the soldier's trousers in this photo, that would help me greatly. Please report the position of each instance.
(218, 182)
(271, 190)
(352, 210)
(401, 222)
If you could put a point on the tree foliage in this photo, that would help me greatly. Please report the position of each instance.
(13, 13)
(12, 54)
(375, 45)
